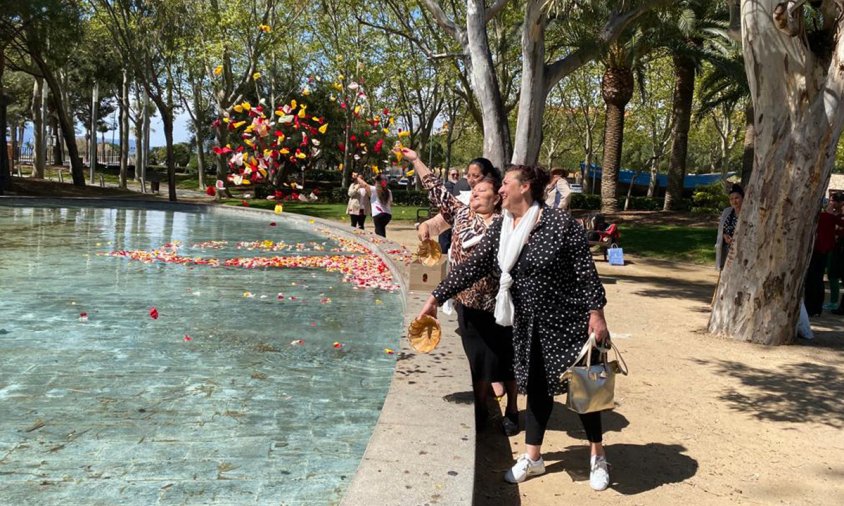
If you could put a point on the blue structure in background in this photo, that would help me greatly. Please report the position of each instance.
(625, 176)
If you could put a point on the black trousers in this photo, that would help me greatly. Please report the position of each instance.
(814, 293)
(358, 220)
(445, 241)
(540, 403)
(381, 221)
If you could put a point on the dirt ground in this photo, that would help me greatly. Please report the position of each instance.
(700, 419)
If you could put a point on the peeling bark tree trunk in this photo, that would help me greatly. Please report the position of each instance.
(92, 153)
(532, 94)
(798, 121)
(617, 90)
(684, 91)
(747, 151)
(497, 145)
(5, 176)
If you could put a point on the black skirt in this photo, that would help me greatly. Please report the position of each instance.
(488, 346)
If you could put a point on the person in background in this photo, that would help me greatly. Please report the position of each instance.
(835, 265)
(727, 226)
(558, 191)
(380, 201)
(450, 184)
(359, 202)
(813, 294)
(549, 291)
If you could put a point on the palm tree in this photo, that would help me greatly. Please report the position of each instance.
(683, 29)
(617, 86)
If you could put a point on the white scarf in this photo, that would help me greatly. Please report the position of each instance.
(509, 248)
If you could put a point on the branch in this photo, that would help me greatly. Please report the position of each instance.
(611, 31)
(442, 19)
(494, 9)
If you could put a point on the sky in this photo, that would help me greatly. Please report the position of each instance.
(180, 131)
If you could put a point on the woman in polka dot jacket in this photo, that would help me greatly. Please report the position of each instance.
(557, 301)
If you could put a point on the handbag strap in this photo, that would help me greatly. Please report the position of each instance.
(586, 351)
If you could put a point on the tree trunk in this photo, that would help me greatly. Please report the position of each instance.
(749, 142)
(684, 90)
(58, 150)
(5, 175)
(92, 150)
(39, 162)
(200, 162)
(167, 119)
(124, 130)
(798, 123)
(145, 140)
(485, 83)
(528, 139)
(617, 90)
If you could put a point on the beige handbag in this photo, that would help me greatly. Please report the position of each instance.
(592, 386)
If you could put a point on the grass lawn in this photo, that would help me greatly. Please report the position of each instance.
(675, 243)
(327, 211)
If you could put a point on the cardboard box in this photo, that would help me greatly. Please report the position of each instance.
(424, 278)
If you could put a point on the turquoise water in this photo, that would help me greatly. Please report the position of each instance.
(210, 403)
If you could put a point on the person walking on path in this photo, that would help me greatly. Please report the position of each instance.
(814, 292)
(488, 346)
(549, 291)
(835, 264)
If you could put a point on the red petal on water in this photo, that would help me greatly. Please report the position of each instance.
(153, 313)
(187, 338)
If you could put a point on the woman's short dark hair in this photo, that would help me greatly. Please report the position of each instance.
(736, 188)
(535, 176)
(487, 168)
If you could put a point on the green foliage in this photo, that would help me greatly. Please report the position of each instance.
(585, 201)
(181, 152)
(674, 243)
(710, 199)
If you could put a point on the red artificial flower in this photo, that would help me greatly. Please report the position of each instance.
(353, 138)
(378, 146)
(209, 190)
(386, 111)
(244, 203)
(383, 183)
(153, 313)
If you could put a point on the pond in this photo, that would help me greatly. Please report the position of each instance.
(187, 357)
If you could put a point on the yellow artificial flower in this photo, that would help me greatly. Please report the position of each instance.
(279, 208)
(238, 108)
(337, 86)
(265, 28)
(306, 92)
(246, 106)
(218, 70)
(357, 109)
(256, 76)
(249, 143)
(293, 104)
(386, 131)
(301, 155)
(404, 133)
(323, 128)
(239, 124)
(281, 138)
(302, 114)
(284, 151)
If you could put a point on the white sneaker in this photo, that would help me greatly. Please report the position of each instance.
(599, 475)
(524, 468)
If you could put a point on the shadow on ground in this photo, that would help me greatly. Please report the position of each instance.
(671, 288)
(634, 468)
(800, 392)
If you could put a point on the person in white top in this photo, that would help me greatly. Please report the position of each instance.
(558, 191)
(381, 200)
(359, 202)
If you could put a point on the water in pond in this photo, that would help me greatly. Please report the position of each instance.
(252, 385)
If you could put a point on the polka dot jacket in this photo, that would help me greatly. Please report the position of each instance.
(555, 285)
